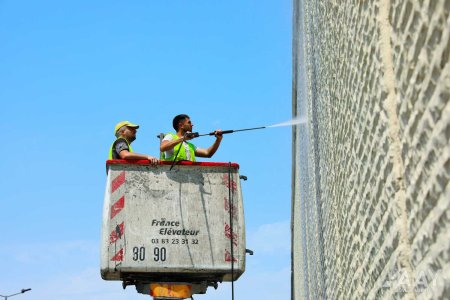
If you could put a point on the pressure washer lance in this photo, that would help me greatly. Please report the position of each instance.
(196, 134)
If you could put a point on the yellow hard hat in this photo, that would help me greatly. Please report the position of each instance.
(124, 123)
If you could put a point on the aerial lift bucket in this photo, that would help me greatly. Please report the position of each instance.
(172, 233)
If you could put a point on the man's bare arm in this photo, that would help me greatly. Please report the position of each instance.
(125, 154)
(211, 150)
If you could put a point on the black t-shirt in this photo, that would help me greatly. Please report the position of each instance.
(119, 145)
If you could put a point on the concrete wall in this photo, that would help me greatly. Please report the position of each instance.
(371, 168)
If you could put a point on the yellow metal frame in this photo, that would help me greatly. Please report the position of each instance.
(170, 291)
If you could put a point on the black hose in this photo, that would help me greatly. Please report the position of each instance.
(176, 155)
(230, 205)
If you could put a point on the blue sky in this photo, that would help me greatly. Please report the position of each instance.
(70, 70)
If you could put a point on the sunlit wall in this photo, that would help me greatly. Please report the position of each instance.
(371, 168)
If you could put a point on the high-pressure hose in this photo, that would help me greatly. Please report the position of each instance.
(176, 155)
(230, 205)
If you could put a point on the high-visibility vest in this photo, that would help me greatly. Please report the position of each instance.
(110, 156)
(182, 153)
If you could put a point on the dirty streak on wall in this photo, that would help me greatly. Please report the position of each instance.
(371, 168)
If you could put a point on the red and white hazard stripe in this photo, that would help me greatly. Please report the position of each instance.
(115, 210)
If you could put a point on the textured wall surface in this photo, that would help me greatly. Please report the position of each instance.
(371, 169)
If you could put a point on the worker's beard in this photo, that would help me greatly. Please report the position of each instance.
(130, 139)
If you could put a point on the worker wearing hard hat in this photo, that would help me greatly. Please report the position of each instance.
(125, 132)
(175, 146)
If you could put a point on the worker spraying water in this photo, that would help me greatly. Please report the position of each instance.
(175, 147)
(293, 122)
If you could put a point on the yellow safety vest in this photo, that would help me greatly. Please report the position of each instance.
(182, 153)
(110, 156)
